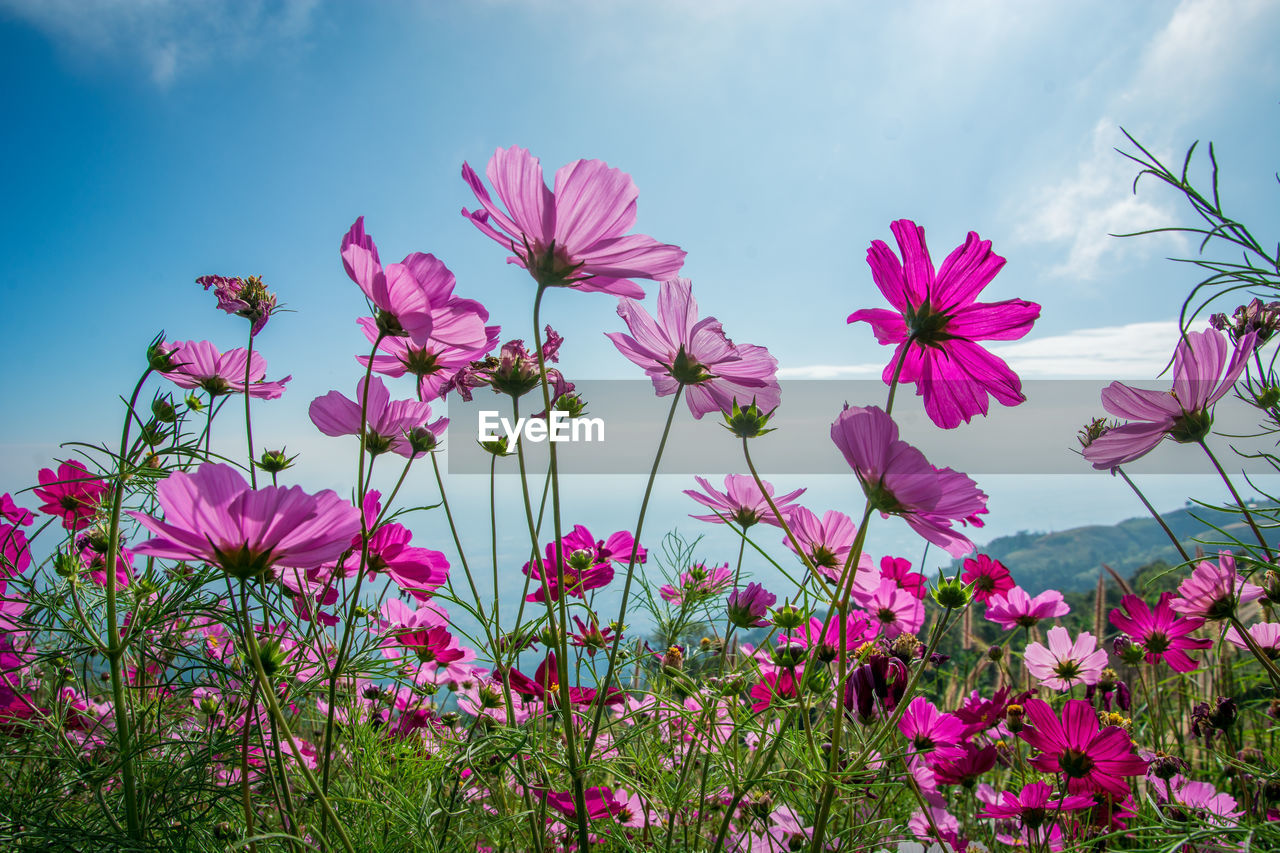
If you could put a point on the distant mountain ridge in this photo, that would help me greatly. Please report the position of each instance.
(1069, 560)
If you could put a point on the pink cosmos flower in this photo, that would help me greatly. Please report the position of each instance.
(826, 542)
(931, 732)
(513, 371)
(1092, 758)
(213, 516)
(431, 644)
(389, 424)
(1036, 803)
(747, 607)
(898, 479)
(73, 494)
(1211, 806)
(1184, 413)
(575, 235)
(677, 349)
(1265, 634)
(1065, 663)
(741, 501)
(935, 323)
(600, 802)
(697, 583)
(1016, 609)
(1214, 591)
(1161, 632)
(434, 363)
(987, 576)
(406, 293)
(895, 610)
(198, 364)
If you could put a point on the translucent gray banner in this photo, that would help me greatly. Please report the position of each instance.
(1035, 438)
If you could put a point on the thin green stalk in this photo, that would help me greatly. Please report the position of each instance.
(274, 709)
(115, 648)
(248, 420)
(1266, 549)
(1165, 527)
(630, 575)
(562, 661)
(344, 647)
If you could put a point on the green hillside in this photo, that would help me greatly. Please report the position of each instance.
(1070, 559)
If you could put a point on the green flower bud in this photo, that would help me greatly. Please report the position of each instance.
(749, 422)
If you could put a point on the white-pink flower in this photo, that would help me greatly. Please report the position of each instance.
(1065, 663)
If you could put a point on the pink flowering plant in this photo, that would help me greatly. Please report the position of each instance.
(200, 653)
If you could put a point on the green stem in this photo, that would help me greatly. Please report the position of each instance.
(562, 645)
(115, 648)
(1266, 549)
(248, 420)
(626, 584)
(1174, 539)
(273, 708)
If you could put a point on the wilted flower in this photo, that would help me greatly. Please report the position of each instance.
(243, 297)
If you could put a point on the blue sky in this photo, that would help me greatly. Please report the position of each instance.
(150, 142)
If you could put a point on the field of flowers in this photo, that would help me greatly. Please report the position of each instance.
(199, 656)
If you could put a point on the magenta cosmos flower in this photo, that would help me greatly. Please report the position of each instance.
(573, 236)
(1035, 804)
(1214, 591)
(747, 607)
(898, 480)
(1016, 609)
(1183, 413)
(198, 364)
(741, 502)
(72, 494)
(1064, 664)
(677, 349)
(401, 426)
(935, 323)
(1092, 758)
(930, 731)
(1161, 632)
(213, 516)
(988, 577)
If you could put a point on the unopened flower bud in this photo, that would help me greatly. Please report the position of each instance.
(275, 461)
(826, 652)
(1014, 718)
(788, 617)
(160, 355)
(1267, 397)
(421, 440)
(66, 565)
(1271, 585)
(952, 594)
(995, 653)
(496, 446)
(163, 409)
(747, 423)
(790, 655)
(573, 404)
(449, 718)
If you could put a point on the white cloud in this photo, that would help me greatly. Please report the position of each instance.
(169, 37)
(1083, 210)
(1178, 76)
(1133, 351)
